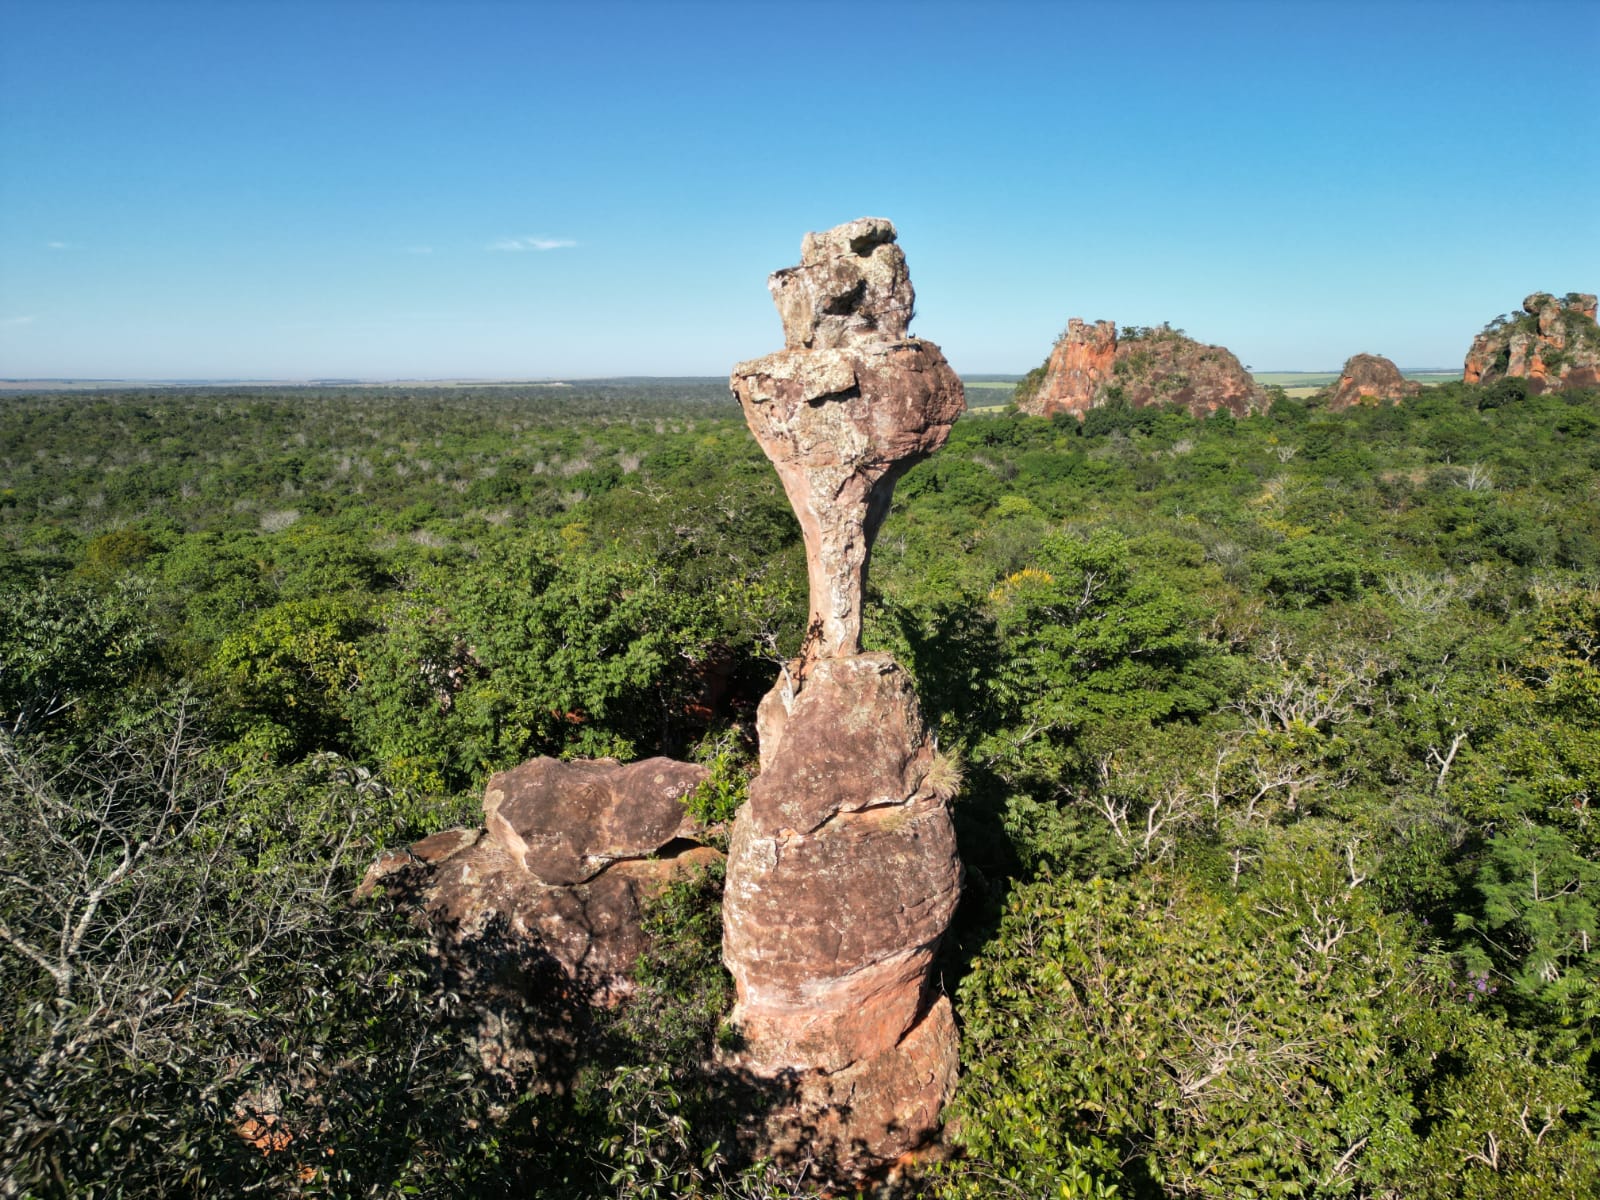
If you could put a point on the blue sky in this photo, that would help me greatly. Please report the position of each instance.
(244, 189)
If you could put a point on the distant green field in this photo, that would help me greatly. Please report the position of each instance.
(1299, 385)
(1295, 379)
(1315, 379)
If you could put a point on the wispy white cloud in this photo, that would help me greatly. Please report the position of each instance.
(13, 322)
(59, 245)
(532, 243)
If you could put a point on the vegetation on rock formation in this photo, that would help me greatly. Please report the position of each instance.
(1551, 344)
(1091, 367)
(1279, 748)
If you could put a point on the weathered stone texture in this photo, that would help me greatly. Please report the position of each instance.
(846, 409)
(1090, 366)
(567, 821)
(1079, 366)
(1369, 379)
(1556, 345)
(552, 887)
(842, 869)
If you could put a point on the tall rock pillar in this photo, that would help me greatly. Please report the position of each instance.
(842, 872)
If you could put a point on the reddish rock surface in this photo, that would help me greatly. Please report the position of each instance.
(846, 408)
(1079, 366)
(539, 913)
(842, 870)
(1552, 343)
(468, 883)
(565, 822)
(1369, 379)
(1090, 366)
(899, 1092)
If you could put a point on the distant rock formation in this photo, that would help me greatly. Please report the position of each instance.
(1090, 366)
(1369, 379)
(1552, 343)
(842, 870)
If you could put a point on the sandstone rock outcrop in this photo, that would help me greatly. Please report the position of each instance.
(1080, 365)
(1090, 366)
(543, 904)
(842, 870)
(846, 408)
(1369, 379)
(1552, 343)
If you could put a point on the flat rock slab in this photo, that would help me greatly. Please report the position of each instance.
(482, 905)
(565, 822)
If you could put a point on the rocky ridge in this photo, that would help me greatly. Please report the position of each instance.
(1369, 378)
(1553, 344)
(1091, 366)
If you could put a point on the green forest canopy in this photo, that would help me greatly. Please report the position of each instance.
(1280, 739)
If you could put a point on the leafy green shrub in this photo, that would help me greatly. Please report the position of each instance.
(1314, 569)
(1149, 1035)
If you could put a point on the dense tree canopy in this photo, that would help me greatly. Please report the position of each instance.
(1280, 763)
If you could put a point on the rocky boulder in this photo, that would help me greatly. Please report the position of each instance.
(1091, 366)
(1369, 379)
(538, 914)
(1553, 344)
(565, 822)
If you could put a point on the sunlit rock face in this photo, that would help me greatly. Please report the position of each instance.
(842, 869)
(1091, 366)
(846, 408)
(1556, 345)
(1369, 379)
(1080, 365)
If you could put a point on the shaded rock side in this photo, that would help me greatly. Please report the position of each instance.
(899, 1092)
(1553, 344)
(1369, 379)
(539, 914)
(1091, 366)
(846, 409)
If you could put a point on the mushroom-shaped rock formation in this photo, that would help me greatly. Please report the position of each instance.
(1369, 379)
(846, 408)
(842, 870)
